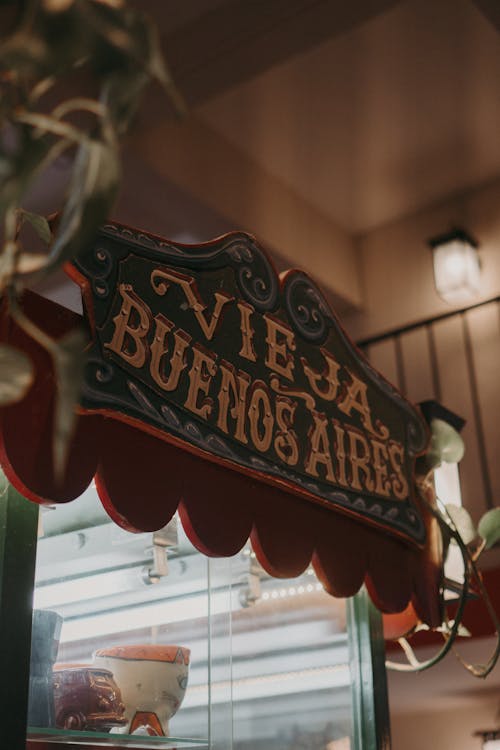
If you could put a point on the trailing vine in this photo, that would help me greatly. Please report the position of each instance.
(457, 528)
(71, 76)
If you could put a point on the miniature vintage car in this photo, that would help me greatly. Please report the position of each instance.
(86, 698)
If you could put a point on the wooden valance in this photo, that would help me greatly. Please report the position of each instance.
(215, 387)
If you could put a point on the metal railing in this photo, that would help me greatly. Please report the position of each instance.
(454, 358)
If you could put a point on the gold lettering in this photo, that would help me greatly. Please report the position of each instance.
(380, 458)
(340, 454)
(356, 398)
(129, 341)
(328, 389)
(237, 385)
(398, 481)
(319, 448)
(260, 411)
(247, 332)
(286, 443)
(159, 349)
(200, 375)
(279, 357)
(359, 457)
(190, 289)
(285, 390)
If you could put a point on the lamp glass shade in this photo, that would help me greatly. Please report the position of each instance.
(447, 484)
(456, 271)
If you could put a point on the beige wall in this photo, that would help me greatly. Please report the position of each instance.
(443, 730)
(396, 262)
(440, 708)
(460, 366)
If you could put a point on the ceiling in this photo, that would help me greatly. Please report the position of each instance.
(395, 114)
(447, 685)
(368, 111)
(312, 122)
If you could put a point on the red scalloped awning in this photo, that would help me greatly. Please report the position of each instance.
(142, 480)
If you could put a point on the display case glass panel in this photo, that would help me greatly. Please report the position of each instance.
(139, 640)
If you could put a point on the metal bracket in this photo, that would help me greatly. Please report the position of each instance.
(250, 591)
(162, 540)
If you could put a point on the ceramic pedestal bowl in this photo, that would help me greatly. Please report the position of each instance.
(152, 680)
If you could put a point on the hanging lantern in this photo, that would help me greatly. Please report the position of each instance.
(457, 271)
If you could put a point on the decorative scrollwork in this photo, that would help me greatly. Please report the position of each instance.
(104, 261)
(142, 238)
(219, 446)
(144, 403)
(101, 372)
(417, 437)
(308, 311)
(256, 277)
(102, 266)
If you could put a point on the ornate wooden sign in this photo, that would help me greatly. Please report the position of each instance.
(207, 348)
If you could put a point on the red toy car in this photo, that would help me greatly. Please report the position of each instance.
(86, 698)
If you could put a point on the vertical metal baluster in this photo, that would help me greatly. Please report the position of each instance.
(476, 409)
(400, 365)
(431, 342)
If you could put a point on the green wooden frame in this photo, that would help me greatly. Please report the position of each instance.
(18, 537)
(370, 706)
(18, 540)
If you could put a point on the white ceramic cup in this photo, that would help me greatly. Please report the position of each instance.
(152, 680)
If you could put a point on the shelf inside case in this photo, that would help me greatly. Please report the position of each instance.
(110, 740)
(269, 667)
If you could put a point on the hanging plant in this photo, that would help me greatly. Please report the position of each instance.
(59, 46)
(457, 528)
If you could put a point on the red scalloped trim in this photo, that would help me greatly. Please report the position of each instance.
(143, 480)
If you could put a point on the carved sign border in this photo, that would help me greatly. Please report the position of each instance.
(310, 316)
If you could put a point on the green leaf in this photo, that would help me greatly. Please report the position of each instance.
(57, 6)
(94, 183)
(121, 94)
(463, 631)
(447, 627)
(489, 527)
(158, 69)
(39, 224)
(29, 263)
(136, 43)
(446, 444)
(16, 374)
(463, 522)
(68, 356)
(46, 43)
(17, 171)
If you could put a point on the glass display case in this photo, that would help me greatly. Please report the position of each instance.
(246, 410)
(151, 644)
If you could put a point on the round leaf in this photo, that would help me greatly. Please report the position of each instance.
(446, 443)
(489, 527)
(39, 224)
(463, 522)
(16, 374)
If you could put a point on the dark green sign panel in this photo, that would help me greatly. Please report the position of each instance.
(207, 347)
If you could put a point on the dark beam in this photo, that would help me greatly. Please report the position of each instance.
(491, 10)
(233, 41)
